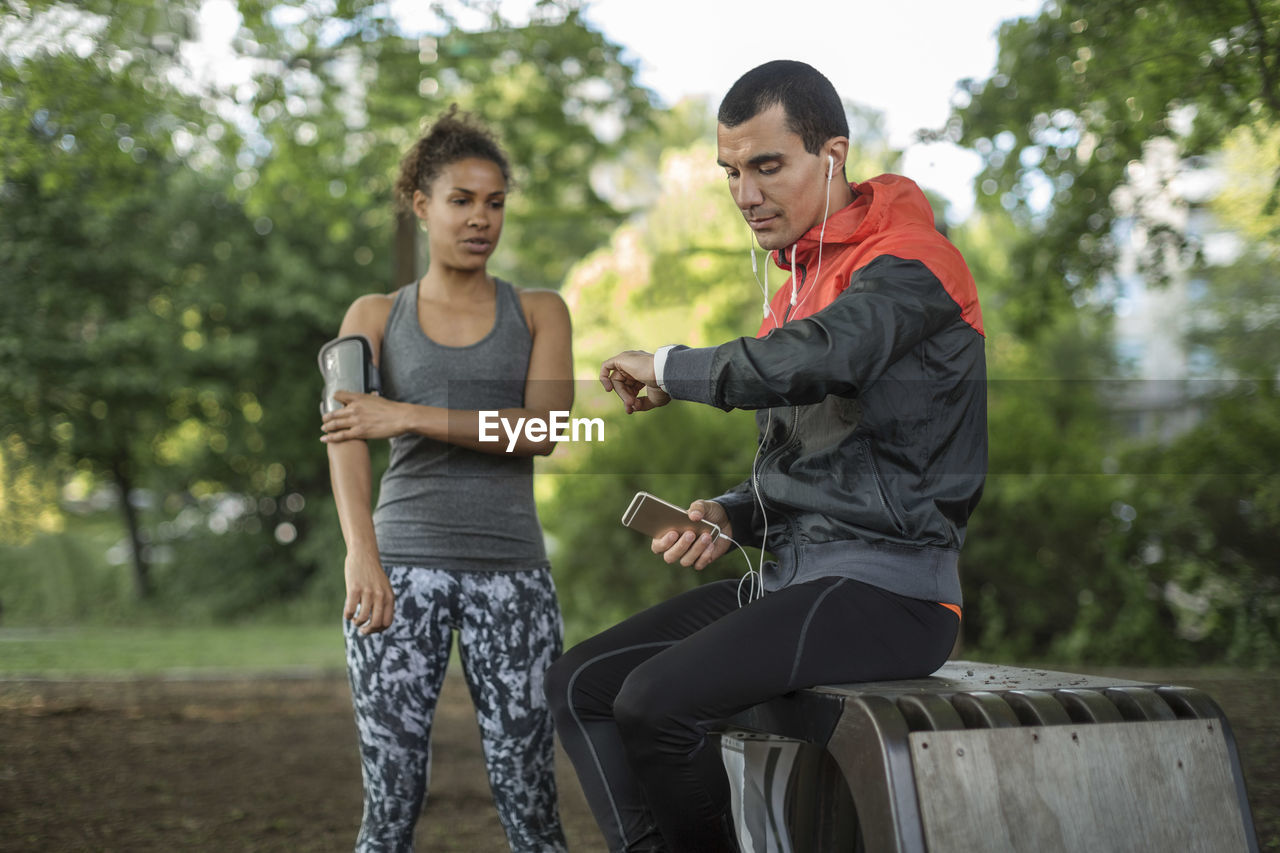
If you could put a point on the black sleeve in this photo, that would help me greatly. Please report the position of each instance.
(743, 509)
(890, 306)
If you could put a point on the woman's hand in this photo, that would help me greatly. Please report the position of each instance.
(364, 416)
(370, 603)
(694, 550)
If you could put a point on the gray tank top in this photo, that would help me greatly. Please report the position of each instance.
(441, 505)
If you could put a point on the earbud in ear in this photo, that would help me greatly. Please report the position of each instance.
(831, 166)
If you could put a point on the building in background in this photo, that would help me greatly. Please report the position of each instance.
(1168, 226)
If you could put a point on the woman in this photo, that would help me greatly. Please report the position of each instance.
(454, 543)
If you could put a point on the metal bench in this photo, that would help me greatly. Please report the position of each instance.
(988, 758)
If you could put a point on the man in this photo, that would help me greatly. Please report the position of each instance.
(868, 376)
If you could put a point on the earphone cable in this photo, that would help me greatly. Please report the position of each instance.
(822, 235)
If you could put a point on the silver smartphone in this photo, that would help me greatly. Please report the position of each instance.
(346, 364)
(653, 516)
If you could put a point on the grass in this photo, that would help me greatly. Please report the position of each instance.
(151, 650)
(67, 611)
(64, 578)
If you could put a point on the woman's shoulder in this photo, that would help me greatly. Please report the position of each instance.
(543, 307)
(539, 298)
(368, 314)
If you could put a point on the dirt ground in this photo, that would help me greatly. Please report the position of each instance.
(269, 764)
(265, 764)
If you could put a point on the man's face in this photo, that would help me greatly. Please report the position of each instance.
(779, 187)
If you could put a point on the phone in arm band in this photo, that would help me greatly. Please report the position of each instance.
(653, 516)
(346, 363)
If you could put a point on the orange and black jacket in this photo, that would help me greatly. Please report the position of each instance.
(871, 400)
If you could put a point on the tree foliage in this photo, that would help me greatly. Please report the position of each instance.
(1079, 91)
(1238, 318)
(1092, 545)
(1206, 511)
(173, 256)
(343, 93)
(119, 357)
(1038, 543)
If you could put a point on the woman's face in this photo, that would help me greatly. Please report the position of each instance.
(464, 212)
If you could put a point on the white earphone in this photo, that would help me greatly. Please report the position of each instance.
(755, 574)
(795, 301)
(764, 286)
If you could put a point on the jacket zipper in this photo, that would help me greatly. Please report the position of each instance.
(796, 268)
(776, 452)
(755, 479)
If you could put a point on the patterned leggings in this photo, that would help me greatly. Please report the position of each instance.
(509, 632)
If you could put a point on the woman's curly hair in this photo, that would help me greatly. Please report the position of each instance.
(454, 136)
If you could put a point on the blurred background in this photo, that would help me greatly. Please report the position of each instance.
(192, 193)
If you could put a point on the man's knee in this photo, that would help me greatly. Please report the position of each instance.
(558, 686)
(646, 704)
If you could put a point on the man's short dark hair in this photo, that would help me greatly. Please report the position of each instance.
(814, 111)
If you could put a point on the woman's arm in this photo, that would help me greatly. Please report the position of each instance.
(548, 388)
(370, 603)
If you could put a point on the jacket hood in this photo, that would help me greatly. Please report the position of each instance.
(889, 215)
(880, 203)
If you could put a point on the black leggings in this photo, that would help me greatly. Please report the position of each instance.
(634, 704)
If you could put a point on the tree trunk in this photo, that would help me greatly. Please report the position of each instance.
(141, 570)
(405, 254)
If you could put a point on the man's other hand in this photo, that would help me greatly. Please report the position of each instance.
(696, 550)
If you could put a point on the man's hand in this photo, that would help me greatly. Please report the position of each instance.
(628, 373)
(363, 416)
(370, 602)
(694, 550)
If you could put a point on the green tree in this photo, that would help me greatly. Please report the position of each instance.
(1209, 507)
(174, 257)
(1238, 319)
(1088, 523)
(1090, 546)
(118, 357)
(1037, 549)
(1205, 514)
(345, 91)
(1078, 93)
